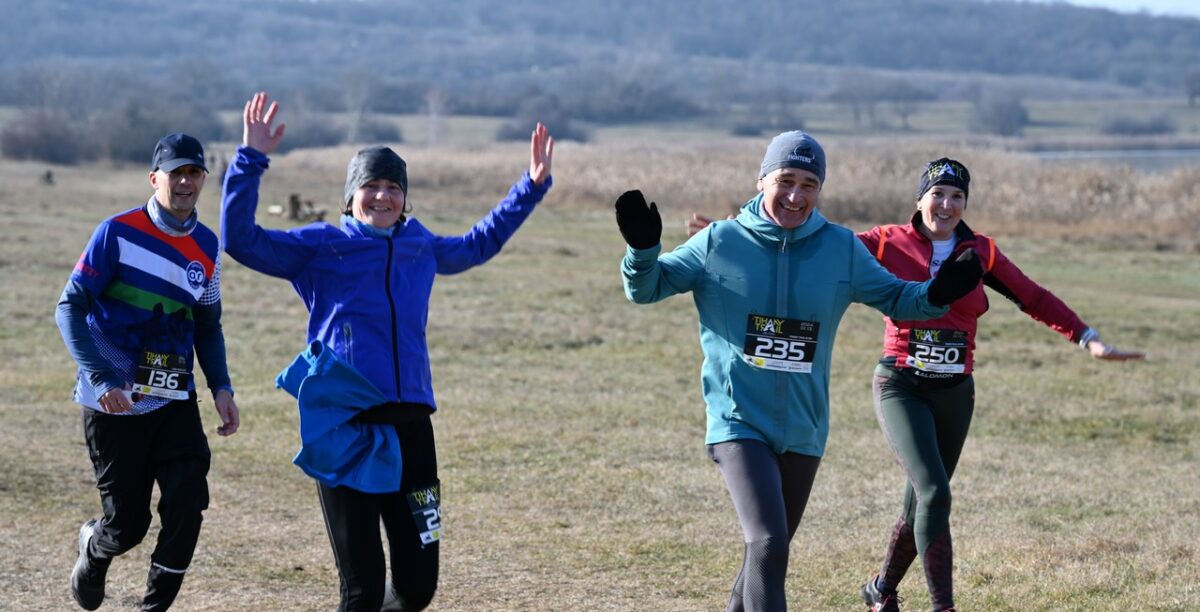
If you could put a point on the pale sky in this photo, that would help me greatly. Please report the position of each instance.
(1183, 8)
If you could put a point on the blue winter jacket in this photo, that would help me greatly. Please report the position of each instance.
(367, 296)
(748, 274)
(334, 448)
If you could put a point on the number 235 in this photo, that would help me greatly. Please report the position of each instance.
(779, 348)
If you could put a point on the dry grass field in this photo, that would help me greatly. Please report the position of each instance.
(571, 429)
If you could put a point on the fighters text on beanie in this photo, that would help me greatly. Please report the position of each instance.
(795, 149)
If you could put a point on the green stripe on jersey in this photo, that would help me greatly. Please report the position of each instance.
(143, 299)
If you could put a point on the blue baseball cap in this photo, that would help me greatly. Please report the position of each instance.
(176, 150)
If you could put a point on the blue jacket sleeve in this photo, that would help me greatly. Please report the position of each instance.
(458, 253)
(878, 288)
(210, 345)
(273, 252)
(71, 316)
(649, 278)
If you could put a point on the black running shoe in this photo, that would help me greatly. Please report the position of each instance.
(878, 601)
(87, 579)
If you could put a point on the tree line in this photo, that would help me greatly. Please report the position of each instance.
(102, 70)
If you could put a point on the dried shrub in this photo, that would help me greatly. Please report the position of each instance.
(47, 135)
(1123, 125)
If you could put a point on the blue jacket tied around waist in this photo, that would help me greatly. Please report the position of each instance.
(334, 448)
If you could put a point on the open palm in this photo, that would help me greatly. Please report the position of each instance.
(256, 126)
(541, 150)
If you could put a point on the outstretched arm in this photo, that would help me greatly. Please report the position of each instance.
(646, 276)
(458, 253)
(1045, 307)
(273, 252)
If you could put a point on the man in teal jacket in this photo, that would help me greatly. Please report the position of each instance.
(771, 287)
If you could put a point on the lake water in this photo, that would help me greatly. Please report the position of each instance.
(1149, 160)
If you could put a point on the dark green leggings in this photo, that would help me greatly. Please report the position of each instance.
(926, 424)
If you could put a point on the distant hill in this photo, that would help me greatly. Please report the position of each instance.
(483, 37)
(612, 61)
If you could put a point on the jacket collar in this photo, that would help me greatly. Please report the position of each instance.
(752, 219)
(355, 228)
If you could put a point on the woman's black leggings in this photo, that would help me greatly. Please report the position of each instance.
(926, 425)
(352, 519)
(769, 492)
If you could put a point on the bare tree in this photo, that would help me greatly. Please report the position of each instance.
(357, 88)
(437, 102)
(1003, 114)
(1191, 85)
(905, 98)
(60, 85)
(46, 134)
(861, 93)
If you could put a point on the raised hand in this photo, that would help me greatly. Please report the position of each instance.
(640, 225)
(541, 150)
(956, 278)
(696, 223)
(256, 126)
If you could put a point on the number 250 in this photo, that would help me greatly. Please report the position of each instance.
(936, 354)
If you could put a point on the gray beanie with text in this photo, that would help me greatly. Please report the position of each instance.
(796, 149)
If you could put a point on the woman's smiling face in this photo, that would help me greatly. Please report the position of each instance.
(941, 209)
(378, 203)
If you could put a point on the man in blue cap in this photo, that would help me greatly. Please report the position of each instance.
(142, 304)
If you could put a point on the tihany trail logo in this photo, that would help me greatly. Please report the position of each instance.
(946, 169)
(157, 360)
(928, 335)
(768, 325)
(426, 497)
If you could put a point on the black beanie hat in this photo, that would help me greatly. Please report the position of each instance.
(378, 162)
(944, 171)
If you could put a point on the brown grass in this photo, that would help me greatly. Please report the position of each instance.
(570, 435)
(868, 182)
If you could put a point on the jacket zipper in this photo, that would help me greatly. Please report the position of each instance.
(387, 286)
(781, 308)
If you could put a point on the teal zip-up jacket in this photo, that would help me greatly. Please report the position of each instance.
(768, 298)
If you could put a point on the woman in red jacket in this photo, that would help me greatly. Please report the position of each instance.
(923, 388)
(924, 391)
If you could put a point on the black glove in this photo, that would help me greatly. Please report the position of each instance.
(956, 278)
(640, 225)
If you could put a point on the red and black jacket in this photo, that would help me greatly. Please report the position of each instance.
(906, 252)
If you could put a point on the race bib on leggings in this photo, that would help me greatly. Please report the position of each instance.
(784, 345)
(427, 513)
(938, 351)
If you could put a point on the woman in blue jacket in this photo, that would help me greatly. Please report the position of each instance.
(771, 287)
(366, 285)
